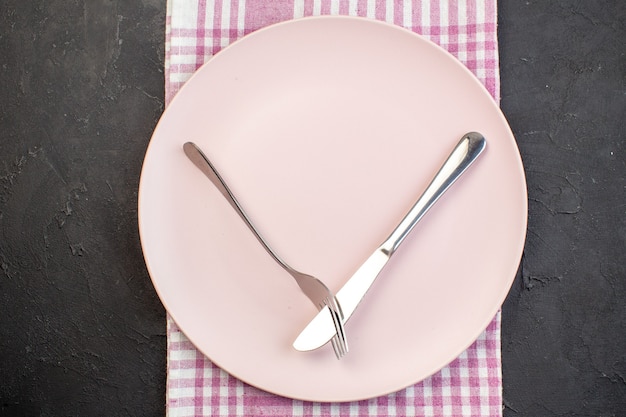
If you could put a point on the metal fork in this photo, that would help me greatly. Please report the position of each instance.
(312, 287)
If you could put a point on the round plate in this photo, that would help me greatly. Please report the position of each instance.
(327, 130)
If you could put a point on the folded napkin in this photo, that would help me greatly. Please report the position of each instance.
(471, 385)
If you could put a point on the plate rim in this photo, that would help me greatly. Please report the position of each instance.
(224, 53)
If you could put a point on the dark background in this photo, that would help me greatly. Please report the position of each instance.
(82, 331)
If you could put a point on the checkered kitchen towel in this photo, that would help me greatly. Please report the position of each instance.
(197, 29)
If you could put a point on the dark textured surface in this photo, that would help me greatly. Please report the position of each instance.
(81, 329)
(563, 73)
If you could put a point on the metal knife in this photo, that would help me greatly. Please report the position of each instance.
(321, 329)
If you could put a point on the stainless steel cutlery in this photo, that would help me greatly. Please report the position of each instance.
(334, 311)
(320, 330)
(312, 287)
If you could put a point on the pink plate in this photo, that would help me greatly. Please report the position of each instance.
(327, 129)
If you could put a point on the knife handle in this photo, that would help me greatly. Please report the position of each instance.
(464, 154)
(320, 329)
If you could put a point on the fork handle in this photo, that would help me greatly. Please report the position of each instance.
(198, 157)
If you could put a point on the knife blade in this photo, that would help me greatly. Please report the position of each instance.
(321, 329)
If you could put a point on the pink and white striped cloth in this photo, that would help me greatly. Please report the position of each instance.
(471, 385)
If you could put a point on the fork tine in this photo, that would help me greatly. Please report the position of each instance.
(341, 338)
(340, 345)
(337, 347)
